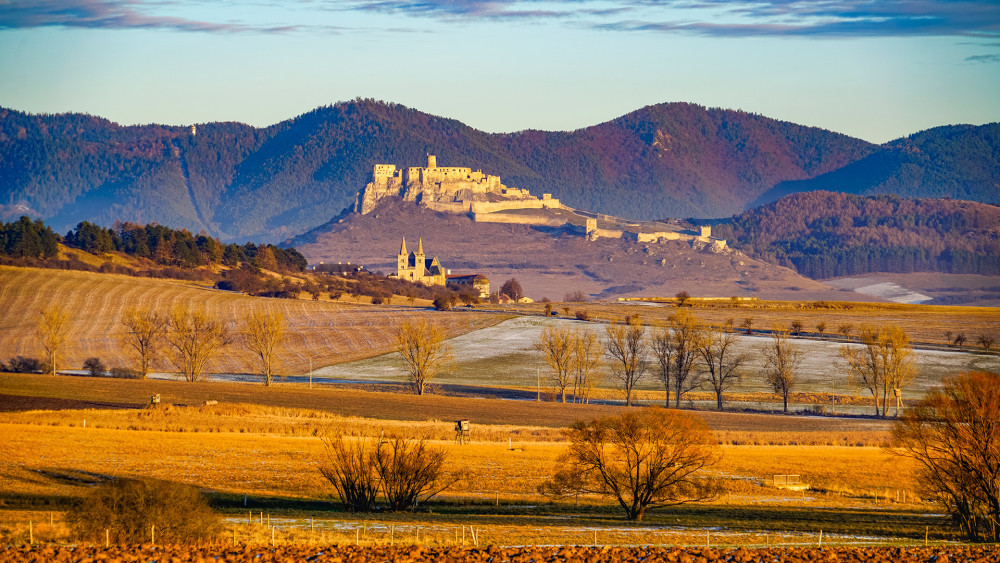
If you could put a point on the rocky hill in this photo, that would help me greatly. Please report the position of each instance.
(239, 182)
(553, 261)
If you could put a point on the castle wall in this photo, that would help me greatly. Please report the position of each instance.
(493, 206)
(500, 217)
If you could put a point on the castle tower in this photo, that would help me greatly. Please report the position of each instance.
(432, 161)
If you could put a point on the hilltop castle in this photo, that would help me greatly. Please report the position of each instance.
(485, 199)
(443, 188)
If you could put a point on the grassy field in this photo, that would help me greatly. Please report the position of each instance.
(318, 333)
(261, 453)
(257, 449)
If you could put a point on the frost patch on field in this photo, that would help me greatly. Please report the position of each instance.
(501, 354)
(885, 290)
(505, 355)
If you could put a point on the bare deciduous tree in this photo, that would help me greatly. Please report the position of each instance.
(781, 361)
(881, 363)
(953, 434)
(261, 334)
(626, 346)
(195, 339)
(986, 341)
(585, 362)
(722, 360)
(351, 469)
(424, 352)
(556, 344)
(821, 329)
(675, 347)
(405, 471)
(51, 329)
(641, 459)
(144, 334)
(409, 471)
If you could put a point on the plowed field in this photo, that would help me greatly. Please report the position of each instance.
(494, 554)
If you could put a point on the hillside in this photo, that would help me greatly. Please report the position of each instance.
(550, 262)
(825, 235)
(318, 333)
(234, 181)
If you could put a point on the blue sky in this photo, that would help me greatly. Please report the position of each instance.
(875, 69)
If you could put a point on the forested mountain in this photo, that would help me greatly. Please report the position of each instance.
(671, 160)
(825, 234)
(956, 161)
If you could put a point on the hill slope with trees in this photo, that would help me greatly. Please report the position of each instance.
(825, 234)
(233, 181)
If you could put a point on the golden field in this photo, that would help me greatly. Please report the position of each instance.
(318, 332)
(260, 456)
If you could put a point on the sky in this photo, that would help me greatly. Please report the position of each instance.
(873, 69)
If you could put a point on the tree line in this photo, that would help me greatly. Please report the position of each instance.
(826, 234)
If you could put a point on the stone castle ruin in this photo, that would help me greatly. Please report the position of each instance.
(485, 199)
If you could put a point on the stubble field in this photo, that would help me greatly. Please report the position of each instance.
(318, 333)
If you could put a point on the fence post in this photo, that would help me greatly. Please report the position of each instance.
(152, 534)
(31, 534)
(107, 537)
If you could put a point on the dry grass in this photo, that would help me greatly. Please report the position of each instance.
(924, 323)
(323, 332)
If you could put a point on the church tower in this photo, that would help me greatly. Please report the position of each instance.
(401, 262)
(419, 261)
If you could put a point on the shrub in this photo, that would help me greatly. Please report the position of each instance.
(95, 366)
(405, 471)
(582, 315)
(442, 303)
(129, 508)
(21, 364)
(125, 373)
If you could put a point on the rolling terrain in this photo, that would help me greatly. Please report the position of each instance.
(550, 263)
(238, 182)
(318, 333)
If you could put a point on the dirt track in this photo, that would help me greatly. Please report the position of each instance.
(494, 554)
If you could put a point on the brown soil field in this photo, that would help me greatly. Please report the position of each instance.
(494, 554)
(350, 402)
(549, 263)
(317, 334)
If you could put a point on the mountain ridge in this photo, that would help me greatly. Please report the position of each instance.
(271, 183)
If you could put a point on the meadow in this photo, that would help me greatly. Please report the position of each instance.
(258, 458)
(255, 450)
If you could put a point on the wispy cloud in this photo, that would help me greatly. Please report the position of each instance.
(978, 19)
(118, 14)
(983, 59)
(803, 18)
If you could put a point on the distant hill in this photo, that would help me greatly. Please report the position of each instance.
(234, 181)
(957, 161)
(825, 234)
(551, 262)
